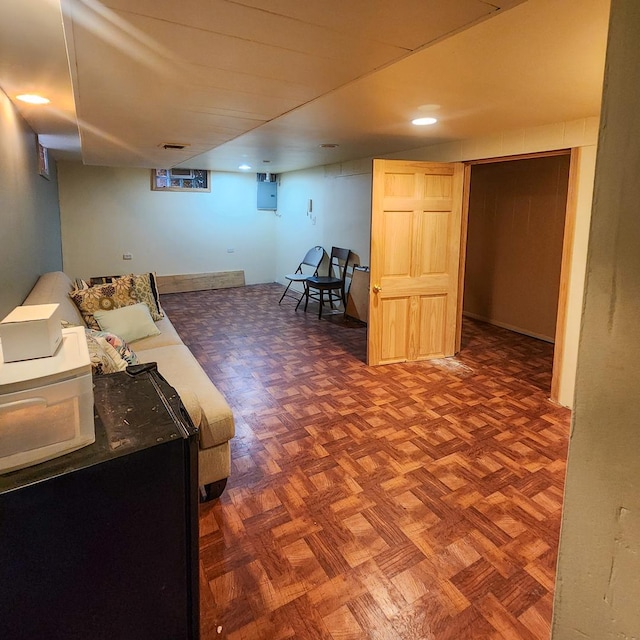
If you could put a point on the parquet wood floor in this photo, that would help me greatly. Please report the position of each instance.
(411, 501)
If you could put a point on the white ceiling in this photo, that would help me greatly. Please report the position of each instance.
(254, 80)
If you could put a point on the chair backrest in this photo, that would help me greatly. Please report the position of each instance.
(338, 263)
(313, 258)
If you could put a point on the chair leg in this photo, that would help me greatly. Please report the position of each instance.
(321, 303)
(285, 292)
(304, 294)
(306, 298)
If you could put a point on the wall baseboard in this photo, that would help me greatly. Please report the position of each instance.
(503, 325)
(200, 281)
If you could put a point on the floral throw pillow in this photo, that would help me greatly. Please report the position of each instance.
(145, 289)
(112, 295)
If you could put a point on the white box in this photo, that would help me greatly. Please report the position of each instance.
(46, 404)
(31, 331)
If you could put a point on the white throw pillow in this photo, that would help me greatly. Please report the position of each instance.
(130, 323)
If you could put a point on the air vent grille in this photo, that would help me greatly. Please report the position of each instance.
(175, 146)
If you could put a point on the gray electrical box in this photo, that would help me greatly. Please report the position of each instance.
(267, 195)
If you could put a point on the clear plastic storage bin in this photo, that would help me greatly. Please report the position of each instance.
(46, 404)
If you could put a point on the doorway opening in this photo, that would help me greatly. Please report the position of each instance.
(513, 266)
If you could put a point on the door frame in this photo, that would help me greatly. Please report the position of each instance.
(567, 251)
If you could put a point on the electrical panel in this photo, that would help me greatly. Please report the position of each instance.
(267, 192)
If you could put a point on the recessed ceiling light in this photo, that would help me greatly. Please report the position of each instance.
(423, 121)
(244, 167)
(32, 98)
(329, 145)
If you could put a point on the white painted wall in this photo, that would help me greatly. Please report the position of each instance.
(597, 585)
(108, 211)
(340, 216)
(29, 212)
(563, 135)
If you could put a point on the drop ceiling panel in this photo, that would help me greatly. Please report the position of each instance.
(409, 24)
(191, 98)
(520, 69)
(248, 61)
(136, 150)
(234, 21)
(172, 49)
(249, 80)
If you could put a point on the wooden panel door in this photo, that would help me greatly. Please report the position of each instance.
(416, 224)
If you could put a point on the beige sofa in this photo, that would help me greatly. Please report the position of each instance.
(205, 404)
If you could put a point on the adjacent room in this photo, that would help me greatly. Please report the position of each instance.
(514, 254)
(200, 461)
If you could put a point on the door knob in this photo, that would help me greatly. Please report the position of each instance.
(377, 288)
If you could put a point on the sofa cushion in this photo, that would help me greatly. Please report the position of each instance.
(167, 336)
(53, 287)
(204, 403)
(214, 463)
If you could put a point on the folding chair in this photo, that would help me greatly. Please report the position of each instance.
(335, 280)
(311, 261)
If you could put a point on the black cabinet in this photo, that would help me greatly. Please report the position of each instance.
(103, 542)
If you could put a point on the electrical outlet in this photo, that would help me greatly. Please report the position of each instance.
(127, 256)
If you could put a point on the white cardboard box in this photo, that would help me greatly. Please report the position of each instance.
(31, 331)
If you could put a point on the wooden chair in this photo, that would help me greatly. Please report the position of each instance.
(311, 261)
(334, 281)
